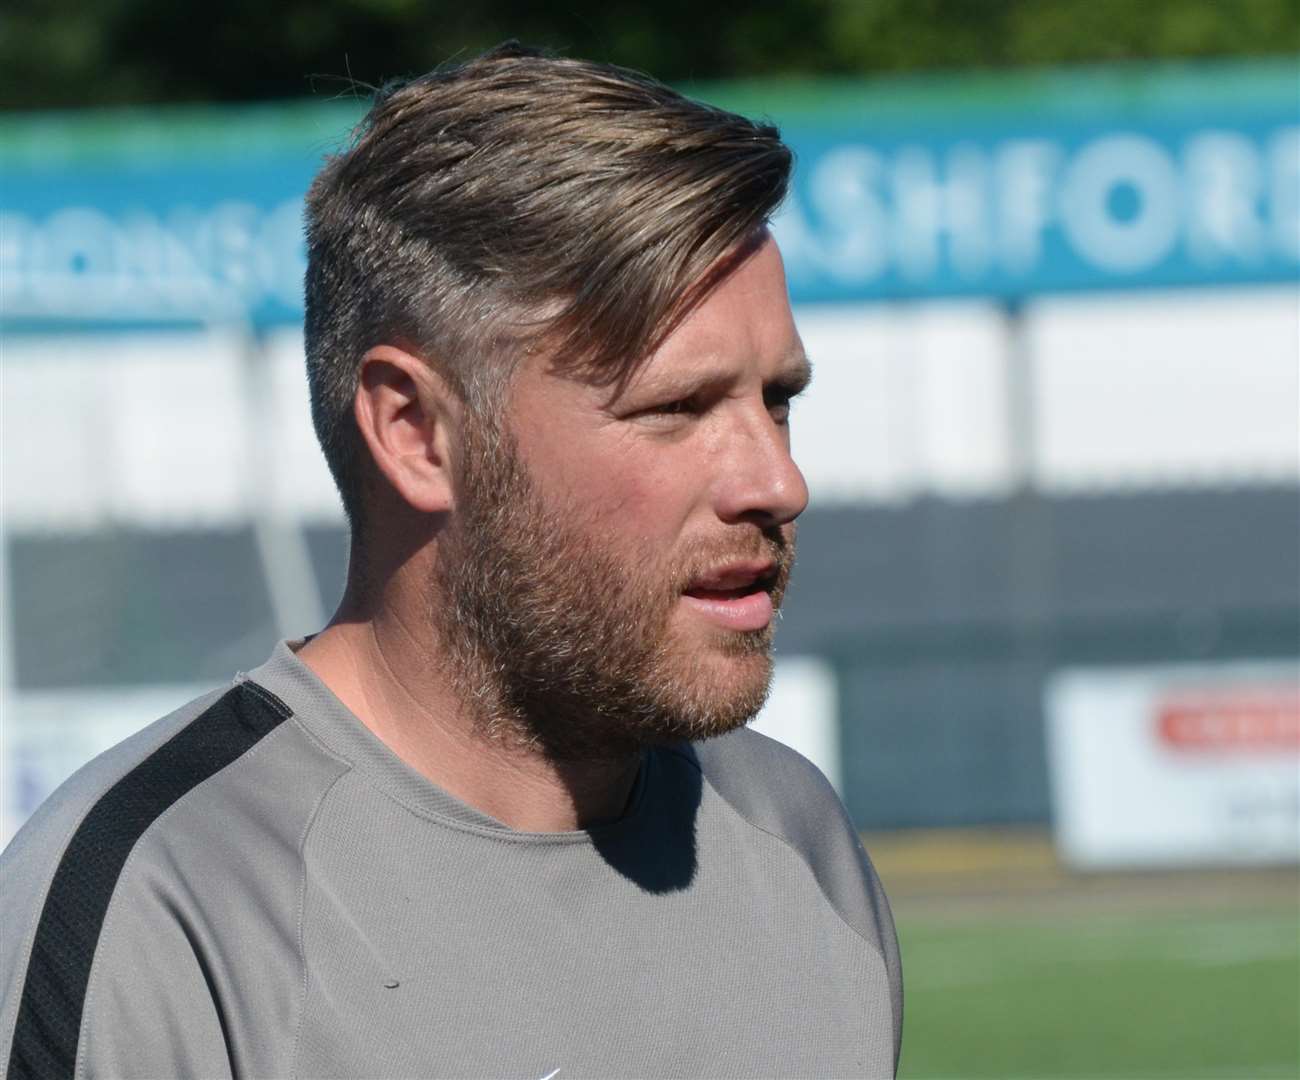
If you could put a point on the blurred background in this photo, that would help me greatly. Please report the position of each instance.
(1045, 627)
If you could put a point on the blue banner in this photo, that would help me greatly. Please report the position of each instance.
(148, 219)
(209, 242)
(1020, 211)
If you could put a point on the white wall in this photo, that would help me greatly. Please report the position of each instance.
(905, 400)
(154, 429)
(1190, 387)
(1172, 388)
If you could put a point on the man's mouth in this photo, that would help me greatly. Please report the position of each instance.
(737, 595)
(733, 580)
(725, 594)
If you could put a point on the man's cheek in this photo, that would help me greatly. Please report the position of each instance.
(628, 499)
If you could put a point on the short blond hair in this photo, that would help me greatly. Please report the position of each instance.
(514, 200)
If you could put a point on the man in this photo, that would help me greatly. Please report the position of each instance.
(501, 817)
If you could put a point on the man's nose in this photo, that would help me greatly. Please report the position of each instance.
(760, 482)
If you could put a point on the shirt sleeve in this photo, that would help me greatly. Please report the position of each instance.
(125, 995)
(150, 906)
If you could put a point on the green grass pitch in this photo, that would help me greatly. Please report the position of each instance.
(1156, 995)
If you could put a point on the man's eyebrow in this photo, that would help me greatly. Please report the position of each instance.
(792, 378)
(795, 376)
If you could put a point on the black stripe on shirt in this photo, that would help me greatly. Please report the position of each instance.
(48, 1027)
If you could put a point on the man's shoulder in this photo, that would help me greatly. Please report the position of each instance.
(765, 779)
(750, 749)
(780, 792)
(204, 762)
(53, 821)
(196, 821)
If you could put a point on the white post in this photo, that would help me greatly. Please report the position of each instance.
(281, 544)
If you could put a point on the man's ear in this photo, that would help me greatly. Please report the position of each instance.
(407, 415)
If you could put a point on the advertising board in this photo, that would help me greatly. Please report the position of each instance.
(1175, 765)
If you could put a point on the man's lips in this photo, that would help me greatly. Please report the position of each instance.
(735, 595)
(733, 580)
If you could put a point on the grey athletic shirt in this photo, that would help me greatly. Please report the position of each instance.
(256, 886)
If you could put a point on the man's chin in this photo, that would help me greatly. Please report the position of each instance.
(724, 684)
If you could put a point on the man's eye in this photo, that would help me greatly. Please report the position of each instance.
(680, 407)
(778, 405)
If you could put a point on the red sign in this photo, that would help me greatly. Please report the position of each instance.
(1259, 718)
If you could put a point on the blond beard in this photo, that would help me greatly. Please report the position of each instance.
(561, 645)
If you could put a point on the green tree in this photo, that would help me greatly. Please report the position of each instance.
(70, 53)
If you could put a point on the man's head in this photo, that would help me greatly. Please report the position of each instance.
(514, 202)
(565, 266)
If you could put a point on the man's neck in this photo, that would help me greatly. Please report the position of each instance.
(389, 675)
